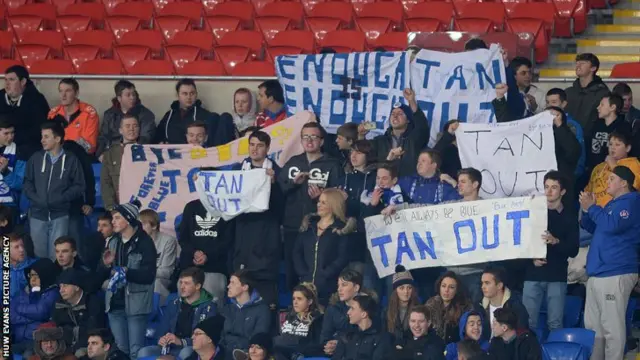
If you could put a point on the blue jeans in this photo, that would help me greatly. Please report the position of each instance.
(156, 350)
(128, 331)
(45, 232)
(533, 295)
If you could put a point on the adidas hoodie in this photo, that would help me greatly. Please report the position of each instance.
(199, 230)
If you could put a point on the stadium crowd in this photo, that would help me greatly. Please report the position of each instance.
(79, 294)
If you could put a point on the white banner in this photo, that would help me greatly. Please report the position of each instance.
(342, 88)
(227, 194)
(459, 233)
(513, 157)
(457, 85)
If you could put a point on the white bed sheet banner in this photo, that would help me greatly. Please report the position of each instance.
(513, 157)
(459, 233)
(227, 194)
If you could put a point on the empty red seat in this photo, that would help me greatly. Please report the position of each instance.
(274, 52)
(101, 67)
(626, 70)
(510, 5)
(252, 40)
(221, 25)
(231, 55)
(302, 39)
(392, 41)
(22, 24)
(568, 10)
(210, 4)
(72, 24)
(6, 44)
(442, 41)
(321, 26)
(423, 15)
(392, 11)
(372, 28)
(535, 27)
(129, 55)
(79, 54)
(492, 11)
(285, 9)
(42, 10)
(473, 25)
(152, 67)
(60, 5)
(5, 63)
(254, 68)
(137, 9)
(203, 68)
(182, 54)
(94, 10)
(32, 53)
(344, 41)
(149, 38)
(260, 4)
(110, 5)
(203, 40)
(545, 12)
(121, 24)
(409, 4)
(159, 4)
(170, 25)
(101, 39)
(13, 4)
(52, 66)
(271, 25)
(342, 11)
(459, 4)
(236, 9)
(358, 5)
(191, 10)
(50, 38)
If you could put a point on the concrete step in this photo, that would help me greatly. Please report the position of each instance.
(610, 46)
(569, 72)
(631, 5)
(626, 16)
(619, 31)
(565, 59)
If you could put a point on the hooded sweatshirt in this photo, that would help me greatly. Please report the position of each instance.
(173, 126)
(614, 247)
(598, 139)
(451, 351)
(180, 315)
(242, 122)
(582, 103)
(28, 113)
(244, 321)
(110, 126)
(300, 337)
(18, 280)
(600, 175)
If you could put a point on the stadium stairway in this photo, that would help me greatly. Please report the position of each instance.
(613, 35)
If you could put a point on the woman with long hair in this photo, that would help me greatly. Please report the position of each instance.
(320, 251)
(402, 299)
(300, 332)
(448, 306)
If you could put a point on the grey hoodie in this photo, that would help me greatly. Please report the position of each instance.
(244, 121)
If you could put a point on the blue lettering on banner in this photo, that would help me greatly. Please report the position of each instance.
(380, 243)
(474, 237)
(427, 68)
(216, 185)
(496, 233)
(137, 153)
(148, 181)
(482, 74)
(457, 76)
(517, 217)
(403, 247)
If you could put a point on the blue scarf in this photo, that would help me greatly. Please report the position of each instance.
(5, 191)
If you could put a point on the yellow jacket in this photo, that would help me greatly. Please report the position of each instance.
(600, 175)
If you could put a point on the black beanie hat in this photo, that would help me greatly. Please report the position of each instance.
(212, 326)
(626, 174)
(71, 276)
(263, 340)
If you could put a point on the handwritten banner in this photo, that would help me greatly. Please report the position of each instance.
(460, 233)
(161, 176)
(513, 157)
(227, 194)
(457, 85)
(342, 88)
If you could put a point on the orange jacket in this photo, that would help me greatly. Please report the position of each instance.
(83, 125)
(600, 175)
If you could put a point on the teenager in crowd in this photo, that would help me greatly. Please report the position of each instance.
(321, 248)
(245, 316)
(584, 95)
(181, 316)
(471, 325)
(558, 98)
(429, 186)
(261, 254)
(567, 147)
(509, 341)
(102, 346)
(403, 298)
(470, 350)
(365, 340)
(129, 262)
(448, 306)
(302, 180)
(12, 167)
(612, 261)
(546, 279)
(346, 136)
(300, 332)
(387, 194)
(67, 258)
(166, 247)
(609, 120)
(421, 341)
(497, 296)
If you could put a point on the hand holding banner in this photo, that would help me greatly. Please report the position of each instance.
(459, 233)
(227, 194)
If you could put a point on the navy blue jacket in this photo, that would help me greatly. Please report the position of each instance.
(203, 308)
(431, 191)
(616, 236)
(242, 322)
(370, 344)
(335, 321)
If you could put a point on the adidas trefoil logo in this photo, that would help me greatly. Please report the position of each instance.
(205, 225)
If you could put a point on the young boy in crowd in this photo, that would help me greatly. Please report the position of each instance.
(386, 192)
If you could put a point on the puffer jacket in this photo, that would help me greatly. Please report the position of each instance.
(582, 103)
(370, 344)
(76, 320)
(524, 346)
(335, 320)
(17, 279)
(110, 126)
(321, 259)
(244, 321)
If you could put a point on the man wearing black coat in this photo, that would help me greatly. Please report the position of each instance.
(421, 342)
(509, 344)
(366, 341)
(101, 346)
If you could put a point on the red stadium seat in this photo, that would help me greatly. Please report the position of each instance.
(101, 67)
(301, 39)
(321, 26)
(6, 44)
(137, 9)
(152, 67)
(60, 5)
(32, 53)
(254, 68)
(50, 38)
(566, 11)
(345, 41)
(240, 10)
(203, 40)
(274, 52)
(252, 40)
(545, 12)
(309, 5)
(147, 38)
(271, 25)
(182, 54)
(258, 5)
(129, 55)
(392, 11)
(72, 24)
(110, 5)
(210, 4)
(5, 63)
(191, 10)
(221, 25)
(626, 70)
(358, 5)
(95, 10)
(159, 4)
(13, 4)
(409, 4)
(510, 5)
(492, 11)
(52, 66)
(392, 41)
(459, 4)
(231, 55)
(79, 54)
(101, 39)
(442, 41)
(342, 11)
(203, 68)
(45, 11)
(473, 25)
(372, 28)
(120, 24)
(170, 25)
(535, 27)
(286, 9)
(25, 23)
(423, 15)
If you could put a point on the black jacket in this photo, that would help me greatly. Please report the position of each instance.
(27, 115)
(509, 301)
(298, 337)
(525, 346)
(115, 354)
(582, 103)
(77, 320)
(414, 140)
(370, 344)
(173, 126)
(260, 254)
(567, 150)
(90, 284)
(335, 320)
(449, 153)
(597, 140)
(321, 259)
(563, 226)
(324, 171)
(427, 347)
(199, 230)
(86, 162)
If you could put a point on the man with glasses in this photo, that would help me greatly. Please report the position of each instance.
(302, 180)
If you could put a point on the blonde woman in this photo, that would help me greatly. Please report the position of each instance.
(300, 332)
(320, 251)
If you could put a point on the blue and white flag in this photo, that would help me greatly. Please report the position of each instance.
(342, 88)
